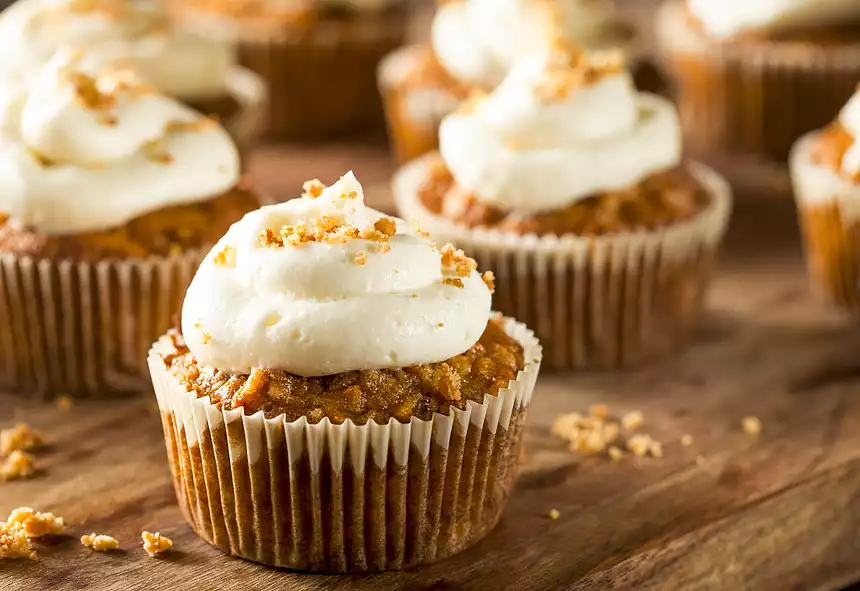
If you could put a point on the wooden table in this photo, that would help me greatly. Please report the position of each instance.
(779, 511)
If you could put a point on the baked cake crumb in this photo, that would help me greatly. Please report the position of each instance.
(601, 411)
(640, 444)
(226, 257)
(99, 542)
(19, 438)
(615, 453)
(386, 226)
(64, 402)
(554, 514)
(36, 524)
(633, 420)
(155, 543)
(686, 440)
(14, 542)
(455, 262)
(17, 466)
(751, 426)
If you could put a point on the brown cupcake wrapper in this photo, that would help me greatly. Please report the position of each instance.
(84, 328)
(344, 498)
(755, 98)
(250, 92)
(594, 302)
(829, 211)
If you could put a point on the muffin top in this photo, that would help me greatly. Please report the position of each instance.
(477, 41)
(562, 126)
(87, 149)
(323, 285)
(126, 33)
(837, 147)
(731, 18)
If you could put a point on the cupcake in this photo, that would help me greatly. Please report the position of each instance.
(755, 76)
(825, 171)
(319, 57)
(200, 72)
(110, 194)
(569, 184)
(473, 44)
(340, 398)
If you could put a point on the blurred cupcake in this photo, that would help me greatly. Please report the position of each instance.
(755, 76)
(341, 399)
(570, 185)
(474, 43)
(199, 72)
(825, 171)
(110, 193)
(319, 57)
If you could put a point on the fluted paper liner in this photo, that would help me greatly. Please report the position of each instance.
(829, 211)
(251, 94)
(344, 498)
(594, 302)
(84, 328)
(755, 98)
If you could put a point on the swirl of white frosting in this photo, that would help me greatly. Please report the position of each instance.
(85, 151)
(725, 18)
(134, 34)
(322, 308)
(477, 41)
(849, 118)
(546, 138)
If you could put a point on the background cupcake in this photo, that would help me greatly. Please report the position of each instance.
(109, 195)
(825, 170)
(197, 71)
(755, 76)
(473, 45)
(319, 57)
(569, 185)
(344, 390)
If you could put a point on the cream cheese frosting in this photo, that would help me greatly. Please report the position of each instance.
(561, 127)
(267, 298)
(133, 34)
(477, 41)
(726, 18)
(87, 151)
(849, 118)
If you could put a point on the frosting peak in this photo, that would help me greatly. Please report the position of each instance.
(562, 126)
(323, 284)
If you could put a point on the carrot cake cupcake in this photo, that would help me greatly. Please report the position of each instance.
(299, 48)
(341, 398)
(197, 71)
(473, 44)
(754, 76)
(110, 193)
(570, 185)
(825, 170)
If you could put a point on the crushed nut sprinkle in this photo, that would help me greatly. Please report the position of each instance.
(153, 152)
(17, 466)
(570, 67)
(455, 281)
(312, 189)
(14, 542)
(489, 279)
(194, 125)
(99, 542)
(36, 524)
(21, 437)
(360, 258)
(206, 338)
(226, 257)
(386, 226)
(751, 426)
(418, 231)
(455, 262)
(155, 543)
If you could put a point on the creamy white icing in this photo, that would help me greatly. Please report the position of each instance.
(84, 151)
(477, 41)
(135, 34)
(313, 310)
(849, 118)
(725, 18)
(521, 148)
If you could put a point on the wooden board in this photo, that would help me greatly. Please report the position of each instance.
(781, 511)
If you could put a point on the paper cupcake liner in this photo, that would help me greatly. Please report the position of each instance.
(829, 210)
(753, 98)
(85, 328)
(252, 96)
(594, 302)
(344, 498)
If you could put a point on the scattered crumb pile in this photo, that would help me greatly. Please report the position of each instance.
(22, 525)
(155, 544)
(15, 444)
(599, 432)
(99, 542)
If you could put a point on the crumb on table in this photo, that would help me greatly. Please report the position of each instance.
(686, 440)
(21, 437)
(14, 542)
(99, 542)
(633, 420)
(554, 514)
(155, 543)
(17, 466)
(751, 425)
(36, 524)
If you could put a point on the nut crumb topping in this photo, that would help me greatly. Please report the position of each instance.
(455, 262)
(751, 426)
(455, 281)
(360, 258)
(226, 257)
(489, 279)
(99, 542)
(17, 466)
(570, 67)
(418, 231)
(14, 542)
(312, 189)
(199, 124)
(36, 524)
(155, 543)
(386, 226)
(153, 152)
(206, 338)
(21, 437)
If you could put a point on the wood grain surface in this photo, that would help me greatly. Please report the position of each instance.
(779, 511)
